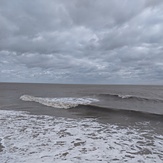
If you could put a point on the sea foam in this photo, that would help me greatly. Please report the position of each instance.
(65, 103)
(36, 138)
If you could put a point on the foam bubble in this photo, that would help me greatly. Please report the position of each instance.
(35, 138)
(60, 102)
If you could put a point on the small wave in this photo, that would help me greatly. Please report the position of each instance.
(127, 97)
(121, 96)
(65, 103)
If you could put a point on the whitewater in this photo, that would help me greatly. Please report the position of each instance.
(64, 103)
(31, 138)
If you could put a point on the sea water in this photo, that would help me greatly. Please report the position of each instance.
(80, 123)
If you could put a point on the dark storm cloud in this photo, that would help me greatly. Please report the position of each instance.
(95, 41)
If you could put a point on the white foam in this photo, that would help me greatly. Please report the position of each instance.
(65, 103)
(125, 96)
(34, 139)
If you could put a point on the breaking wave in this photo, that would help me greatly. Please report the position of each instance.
(65, 103)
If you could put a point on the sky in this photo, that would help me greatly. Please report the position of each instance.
(81, 41)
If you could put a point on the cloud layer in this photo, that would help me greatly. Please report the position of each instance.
(95, 41)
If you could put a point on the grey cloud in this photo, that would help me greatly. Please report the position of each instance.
(81, 41)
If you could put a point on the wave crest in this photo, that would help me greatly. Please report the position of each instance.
(129, 97)
(65, 103)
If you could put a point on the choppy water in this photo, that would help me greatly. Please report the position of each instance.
(81, 123)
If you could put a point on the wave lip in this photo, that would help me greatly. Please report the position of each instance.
(65, 103)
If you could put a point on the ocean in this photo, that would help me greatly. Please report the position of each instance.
(81, 123)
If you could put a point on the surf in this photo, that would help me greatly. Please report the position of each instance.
(65, 103)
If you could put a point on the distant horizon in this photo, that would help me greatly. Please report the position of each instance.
(82, 84)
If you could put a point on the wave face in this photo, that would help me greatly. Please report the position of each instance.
(138, 103)
(64, 103)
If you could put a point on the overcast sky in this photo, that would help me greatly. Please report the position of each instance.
(81, 41)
